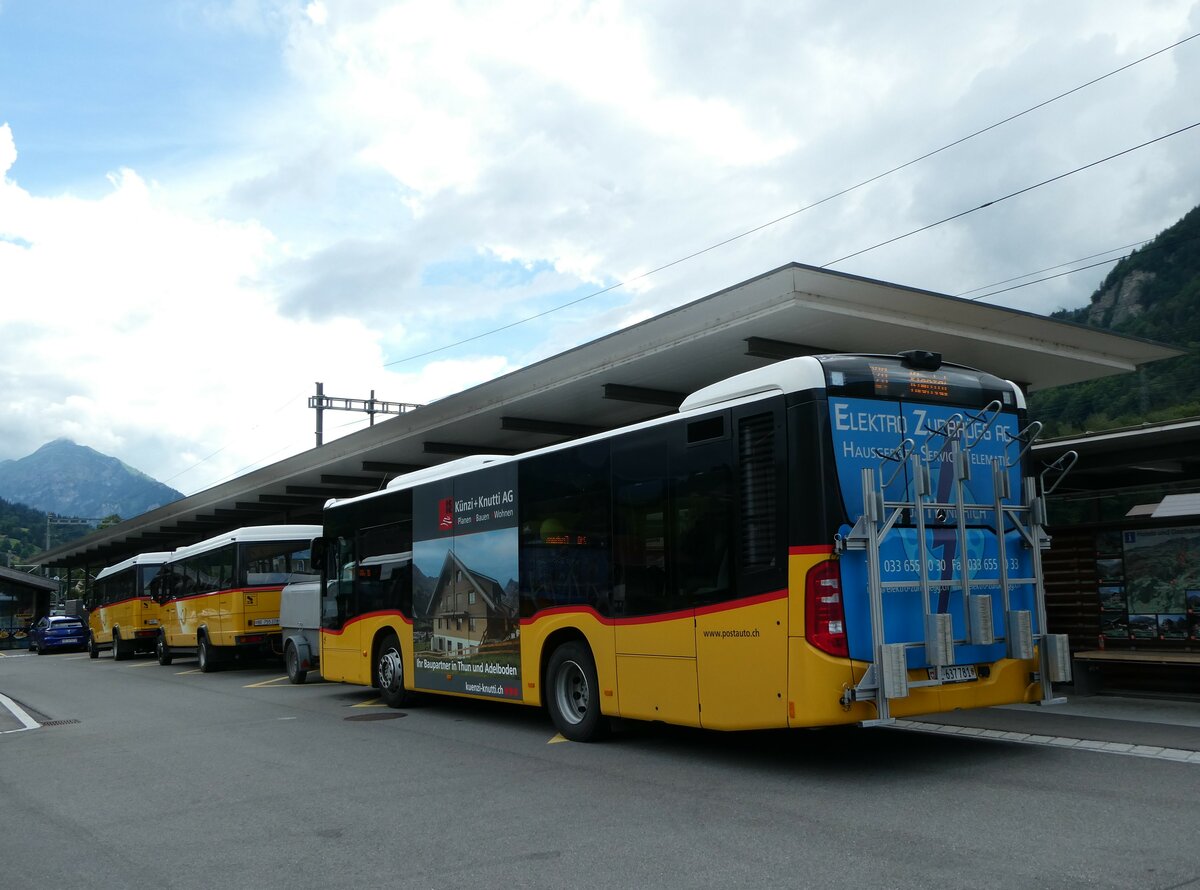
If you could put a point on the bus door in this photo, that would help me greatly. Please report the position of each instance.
(729, 543)
(340, 643)
(655, 627)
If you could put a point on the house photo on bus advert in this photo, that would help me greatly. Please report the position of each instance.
(466, 632)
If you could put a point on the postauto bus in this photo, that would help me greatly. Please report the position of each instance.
(831, 539)
(123, 616)
(220, 598)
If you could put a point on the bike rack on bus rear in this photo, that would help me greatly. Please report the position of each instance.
(887, 677)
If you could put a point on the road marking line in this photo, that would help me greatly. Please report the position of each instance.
(145, 664)
(262, 683)
(373, 703)
(17, 711)
(181, 673)
(277, 683)
(1176, 755)
(558, 738)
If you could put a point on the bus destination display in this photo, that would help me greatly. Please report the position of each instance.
(901, 381)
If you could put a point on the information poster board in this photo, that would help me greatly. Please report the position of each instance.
(1150, 590)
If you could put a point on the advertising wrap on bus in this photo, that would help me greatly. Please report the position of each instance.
(466, 629)
(870, 434)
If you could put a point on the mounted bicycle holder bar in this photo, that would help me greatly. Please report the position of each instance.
(887, 678)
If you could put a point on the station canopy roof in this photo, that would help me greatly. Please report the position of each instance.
(634, 374)
(1161, 459)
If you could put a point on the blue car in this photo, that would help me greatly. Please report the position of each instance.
(58, 632)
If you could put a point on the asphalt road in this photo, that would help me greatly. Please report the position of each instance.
(176, 779)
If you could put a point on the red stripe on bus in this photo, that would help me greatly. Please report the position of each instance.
(391, 613)
(664, 616)
(567, 610)
(742, 603)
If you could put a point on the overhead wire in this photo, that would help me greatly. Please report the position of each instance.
(1146, 246)
(1015, 194)
(1092, 256)
(786, 216)
(209, 457)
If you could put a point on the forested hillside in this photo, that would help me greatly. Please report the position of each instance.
(1153, 293)
(23, 533)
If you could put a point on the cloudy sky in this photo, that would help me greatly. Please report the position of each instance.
(206, 207)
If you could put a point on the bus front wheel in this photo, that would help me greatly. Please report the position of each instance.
(389, 673)
(118, 651)
(573, 693)
(93, 652)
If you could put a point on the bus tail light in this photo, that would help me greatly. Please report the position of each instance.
(824, 615)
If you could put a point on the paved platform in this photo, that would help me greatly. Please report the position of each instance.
(1167, 729)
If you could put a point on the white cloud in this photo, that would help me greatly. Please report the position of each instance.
(435, 170)
(8, 150)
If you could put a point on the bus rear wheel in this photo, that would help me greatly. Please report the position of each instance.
(573, 693)
(163, 651)
(119, 653)
(205, 657)
(93, 652)
(389, 673)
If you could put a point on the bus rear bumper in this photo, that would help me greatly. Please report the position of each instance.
(822, 689)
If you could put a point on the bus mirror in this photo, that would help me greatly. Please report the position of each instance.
(317, 551)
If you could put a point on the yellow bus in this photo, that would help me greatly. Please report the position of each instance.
(220, 598)
(826, 540)
(123, 616)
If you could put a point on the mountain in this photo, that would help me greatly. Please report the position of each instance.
(74, 480)
(1153, 293)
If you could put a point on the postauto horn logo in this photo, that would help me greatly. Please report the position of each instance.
(446, 514)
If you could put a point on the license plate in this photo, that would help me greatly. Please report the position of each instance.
(954, 673)
(69, 640)
(265, 622)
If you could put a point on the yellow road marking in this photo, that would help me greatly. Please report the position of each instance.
(270, 682)
(557, 738)
(373, 703)
(277, 682)
(181, 673)
(145, 664)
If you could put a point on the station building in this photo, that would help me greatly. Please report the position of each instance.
(24, 598)
(645, 371)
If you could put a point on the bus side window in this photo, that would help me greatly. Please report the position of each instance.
(702, 512)
(383, 581)
(641, 585)
(565, 529)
